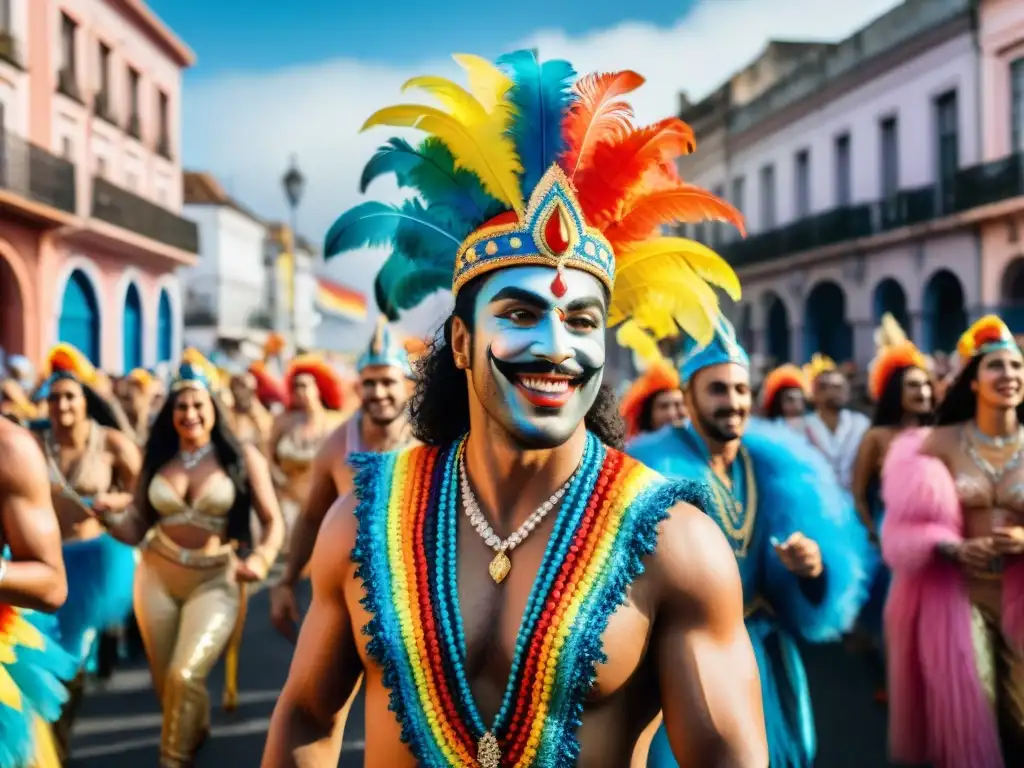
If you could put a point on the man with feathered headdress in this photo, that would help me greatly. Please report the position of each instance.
(800, 551)
(833, 428)
(539, 203)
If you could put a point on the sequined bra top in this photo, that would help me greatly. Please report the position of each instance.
(208, 511)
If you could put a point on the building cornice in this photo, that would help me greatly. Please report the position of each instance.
(154, 27)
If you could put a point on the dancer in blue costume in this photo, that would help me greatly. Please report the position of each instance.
(32, 582)
(93, 465)
(801, 552)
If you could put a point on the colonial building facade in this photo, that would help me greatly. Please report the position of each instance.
(865, 180)
(90, 181)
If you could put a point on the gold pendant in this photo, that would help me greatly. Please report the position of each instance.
(500, 567)
(488, 753)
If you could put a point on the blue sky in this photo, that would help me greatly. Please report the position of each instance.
(300, 77)
(256, 35)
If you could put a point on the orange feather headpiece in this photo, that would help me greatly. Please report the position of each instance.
(895, 352)
(269, 389)
(782, 378)
(660, 376)
(988, 334)
(69, 361)
(328, 383)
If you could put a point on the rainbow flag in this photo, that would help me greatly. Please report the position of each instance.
(338, 301)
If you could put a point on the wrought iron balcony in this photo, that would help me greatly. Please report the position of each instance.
(972, 187)
(35, 174)
(125, 209)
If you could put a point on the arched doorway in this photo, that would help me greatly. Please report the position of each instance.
(12, 312)
(777, 341)
(79, 323)
(825, 327)
(1012, 295)
(164, 328)
(945, 316)
(132, 329)
(745, 327)
(890, 297)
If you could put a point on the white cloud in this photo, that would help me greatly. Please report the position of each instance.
(244, 127)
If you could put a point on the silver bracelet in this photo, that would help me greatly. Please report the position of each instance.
(3, 569)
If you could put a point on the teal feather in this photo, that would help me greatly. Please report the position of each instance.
(430, 170)
(401, 285)
(373, 224)
(541, 96)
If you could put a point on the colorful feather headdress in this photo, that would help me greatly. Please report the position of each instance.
(328, 383)
(269, 389)
(989, 334)
(195, 372)
(784, 377)
(660, 376)
(385, 349)
(894, 353)
(534, 165)
(818, 365)
(64, 360)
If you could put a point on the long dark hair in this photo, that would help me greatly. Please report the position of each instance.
(439, 408)
(889, 408)
(775, 406)
(960, 401)
(645, 419)
(98, 408)
(163, 446)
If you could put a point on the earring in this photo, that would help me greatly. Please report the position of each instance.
(460, 361)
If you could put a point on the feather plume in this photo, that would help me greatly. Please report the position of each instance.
(889, 332)
(402, 283)
(540, 96)
(374, 224)
(476, 136)
(598, 115)
(631, 336)
(686, 203)
(619, 169)
(708, 265)
(486, 80)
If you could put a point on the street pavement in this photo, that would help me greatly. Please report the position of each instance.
(119, 726)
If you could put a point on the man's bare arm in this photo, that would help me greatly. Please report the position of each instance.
(710, 690)
(323, 492)
(34, 577)
(326, 663)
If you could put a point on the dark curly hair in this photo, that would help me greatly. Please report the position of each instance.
(775, 406)
(889, 408)
(163, 446)
(960, 401)
(439, 409)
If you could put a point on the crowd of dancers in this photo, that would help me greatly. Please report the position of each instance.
(520, 567)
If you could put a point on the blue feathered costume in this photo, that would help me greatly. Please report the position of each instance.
(795, 491)
(33, 670)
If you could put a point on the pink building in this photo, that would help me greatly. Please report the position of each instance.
(861, 167)
(90, 181)
(1001, 42)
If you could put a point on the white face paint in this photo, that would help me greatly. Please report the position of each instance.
(538, 359)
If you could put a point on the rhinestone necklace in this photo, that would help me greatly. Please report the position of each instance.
(501, 565)
(190, 459)
(994, 475)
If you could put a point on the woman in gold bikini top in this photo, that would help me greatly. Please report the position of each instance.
(192, 513)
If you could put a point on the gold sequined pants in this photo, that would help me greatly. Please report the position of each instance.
(186, 616)
(1001, 671)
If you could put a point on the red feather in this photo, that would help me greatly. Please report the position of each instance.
(618, 167)
(597, 115)
(686, 203)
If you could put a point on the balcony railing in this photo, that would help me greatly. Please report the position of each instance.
(125, 209)
(35, 174)
(970, 188)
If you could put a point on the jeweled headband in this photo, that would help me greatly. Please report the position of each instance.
(190, 376)
(534, 165)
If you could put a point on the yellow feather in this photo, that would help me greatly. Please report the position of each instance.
(708, 265)
(488, 83)
(474, 128)
(10, 694)
(631, 336)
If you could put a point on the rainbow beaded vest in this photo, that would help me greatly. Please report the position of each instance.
(406, 549)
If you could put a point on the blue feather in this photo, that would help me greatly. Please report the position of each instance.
(541, 95)
(430, 170)
(374, 224)
(401, 285)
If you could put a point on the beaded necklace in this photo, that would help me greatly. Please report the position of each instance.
(407, 557)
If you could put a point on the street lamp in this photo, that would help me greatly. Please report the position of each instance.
(294, 184)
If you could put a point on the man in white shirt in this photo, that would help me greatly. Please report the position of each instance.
(834, 429)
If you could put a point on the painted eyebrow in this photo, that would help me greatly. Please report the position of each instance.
(511, 293)
(579, 305)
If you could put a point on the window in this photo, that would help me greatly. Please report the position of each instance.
(5, 15)
(844, 182)
(737, 193)
(718, 229)
(802, 172)
(947, 130)
(1017, 105)
(104, 93)
(67, 149)
(101, 167)
(163, 146)
(68, 31)
(768, 219)
(133, 91)
(889, 158)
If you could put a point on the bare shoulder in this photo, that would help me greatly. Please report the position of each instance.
(255, 461)
(693, 560)
(941, 441)
(23, 461)
(116, 441)
(335, 541)
(337, 441)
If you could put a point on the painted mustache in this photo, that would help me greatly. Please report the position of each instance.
(577, 373)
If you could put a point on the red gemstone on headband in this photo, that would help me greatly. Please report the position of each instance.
(558, 286)
(556, 233)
